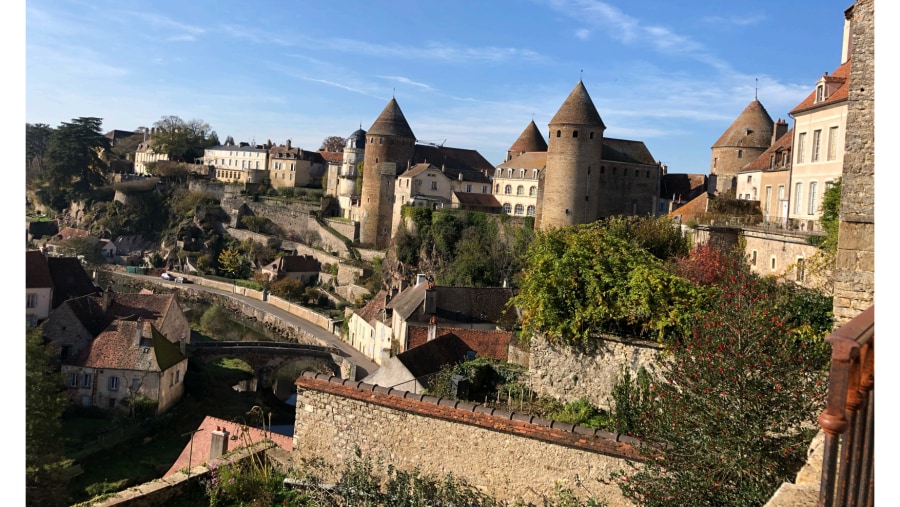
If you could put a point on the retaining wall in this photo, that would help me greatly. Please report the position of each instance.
(508, 455)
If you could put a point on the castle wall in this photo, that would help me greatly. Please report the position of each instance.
(508, 455)
(550, 368)
(627, 189)
(384, 158)
(854, 277)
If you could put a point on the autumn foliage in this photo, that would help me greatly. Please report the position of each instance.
(731, 407)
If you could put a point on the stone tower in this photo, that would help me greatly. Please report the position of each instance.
(569, 189)
(390, 148)
(529, 140)
(744, 140)
(354, 151)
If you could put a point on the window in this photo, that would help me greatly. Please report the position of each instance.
(558, 133)
(498, 189)
(532, 191)
(484, 189)
(434, 185)
(768, 202)
(519, 209)
(31, 300)
(469, 188)
(507, 208)
(820, 93)
(753, 258)
(574, 133)
(534, 174)
(817, 140)
(780, 192)
(509, 173)
(86, 380)
(798, 194)
(772, 162)
(801, 269)
(499, 173)
(113, 383)
(177, 376)
(773, 263)
(801, 146)
(522, 173)
(530, 211)
(811, 208)
(749, 178)
(507, 189)
(73, 380)
(740, 153)
(520, 190)
(784, 159)
(591, 135)
(832, 143)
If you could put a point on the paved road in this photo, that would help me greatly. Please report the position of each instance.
(364, 365)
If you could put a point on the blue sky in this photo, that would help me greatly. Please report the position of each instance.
(469, 74)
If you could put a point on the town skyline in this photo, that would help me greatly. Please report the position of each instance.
(467, 75)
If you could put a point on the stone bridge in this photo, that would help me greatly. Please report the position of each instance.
(266, 358)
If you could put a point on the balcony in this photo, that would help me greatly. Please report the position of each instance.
(848, 421)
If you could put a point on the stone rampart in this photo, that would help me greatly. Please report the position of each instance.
(509, 455)
(568, 374)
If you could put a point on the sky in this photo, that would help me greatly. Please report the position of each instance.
(466, 74)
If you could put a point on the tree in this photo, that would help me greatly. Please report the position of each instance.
(44, 405)
(584, 280)
(734, 403)
(37, 143)
(182, 141)
(289, 288)
(333, 143)
(75, 165)
(232, 263)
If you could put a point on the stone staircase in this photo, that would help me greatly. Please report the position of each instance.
(804, 491)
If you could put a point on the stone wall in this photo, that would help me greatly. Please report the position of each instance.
(292, 217)
(568, 374)
(854, 277)
(213, 188)
(508, 455)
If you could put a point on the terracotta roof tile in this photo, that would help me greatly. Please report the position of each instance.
(693, 209)
(197, 450)
(475, 199)
(69, 279)
(331, 156)
(841, 76)
(371, 309)
(530, 160)
(763, 161)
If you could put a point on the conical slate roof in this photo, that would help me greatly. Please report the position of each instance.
(530, 140)
(391, 122)
(753, 128)
(356, 139)
(578, 109)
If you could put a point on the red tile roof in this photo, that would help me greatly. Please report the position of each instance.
(841, 75)
(530, 139)
(332, 156)
(372, 309)
(130, 345)
(196, 452)
(763, 161)
(693, 209)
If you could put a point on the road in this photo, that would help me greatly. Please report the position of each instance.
(364, 365)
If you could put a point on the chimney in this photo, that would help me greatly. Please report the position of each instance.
(460, 176)
(106, 299)
(287, 144)
(432, 329)
(781, 127)
(218, 443)
(138, 327)
(847, 42)
(430, 299)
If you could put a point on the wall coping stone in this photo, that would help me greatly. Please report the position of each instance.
(520, 424)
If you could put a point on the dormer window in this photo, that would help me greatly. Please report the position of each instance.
(820, 93)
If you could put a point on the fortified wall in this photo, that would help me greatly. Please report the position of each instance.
(509, 455)
(567, 374)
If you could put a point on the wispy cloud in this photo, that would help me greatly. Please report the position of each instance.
(178, 32)
(734, 20)
(401, 79)
(253, 34)
(630, 30)
(446, 52)
(582, 33)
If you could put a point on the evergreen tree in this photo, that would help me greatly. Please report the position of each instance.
(75, 165)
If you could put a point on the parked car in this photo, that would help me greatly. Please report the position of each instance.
(166, 276)
(182, 279)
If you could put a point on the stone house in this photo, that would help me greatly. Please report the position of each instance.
(748, 136)
(56, 246)
(144, 154)
(289, 167)
(305, 268)
(76, 322)
(369, 330)
(766, 179)
(127, 360)
(239, 163)
(38, 287)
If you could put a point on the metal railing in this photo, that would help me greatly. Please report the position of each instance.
(848, 420)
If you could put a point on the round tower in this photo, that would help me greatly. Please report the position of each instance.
(744, 140)
(354, 150)
(570, 188)
(390, 148)
(529, 140)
